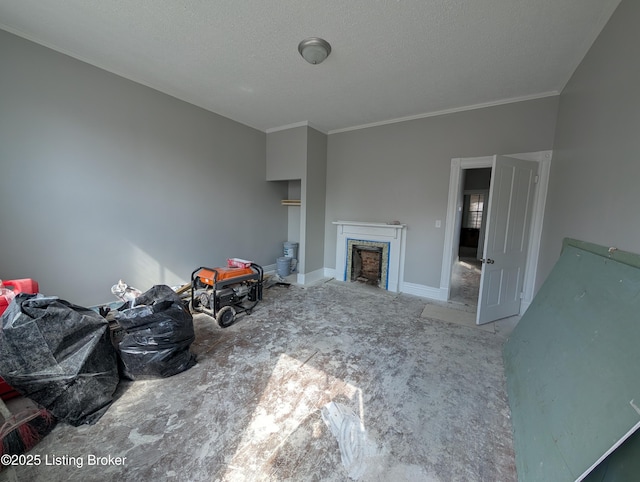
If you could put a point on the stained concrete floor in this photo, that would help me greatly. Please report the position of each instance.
(430, 397)
(465, 282)
(465, 290)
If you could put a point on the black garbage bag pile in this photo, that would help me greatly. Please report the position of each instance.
(157, 334)
(59, 355)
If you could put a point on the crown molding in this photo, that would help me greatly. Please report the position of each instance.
(448, 111)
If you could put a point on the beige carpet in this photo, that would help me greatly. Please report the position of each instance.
(451, 315)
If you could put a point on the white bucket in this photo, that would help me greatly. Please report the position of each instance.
(283, 266)
(290, 250)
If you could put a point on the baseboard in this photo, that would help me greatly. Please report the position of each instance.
(408, 288)
(423, 291)
(270, 268)
(311, 277)
(329, 272)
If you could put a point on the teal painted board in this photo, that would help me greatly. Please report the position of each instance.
(623, 465)
(572, 367)
(625, 257)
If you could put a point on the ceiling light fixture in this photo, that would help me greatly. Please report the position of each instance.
(314, 50)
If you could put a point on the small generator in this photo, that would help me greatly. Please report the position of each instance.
(225, 292)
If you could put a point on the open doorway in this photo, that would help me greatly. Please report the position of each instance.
(508, 218)
(467, 267)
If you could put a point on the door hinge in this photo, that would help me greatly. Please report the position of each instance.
(535, 179)
(521, 294)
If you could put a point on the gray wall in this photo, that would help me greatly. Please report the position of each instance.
(316, 189)
(293, 212)
(401, 172)
(593, 186)
(102, 178)
(287, 154)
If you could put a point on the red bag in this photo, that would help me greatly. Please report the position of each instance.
(8, 290)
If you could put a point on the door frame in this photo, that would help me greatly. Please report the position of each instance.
(454, 219)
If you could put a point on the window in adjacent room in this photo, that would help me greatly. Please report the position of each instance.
(474, 206)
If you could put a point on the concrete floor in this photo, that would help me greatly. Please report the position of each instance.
(428, 396)
(465, 282)
(465, 290)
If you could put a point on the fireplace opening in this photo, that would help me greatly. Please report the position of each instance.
(366, 264)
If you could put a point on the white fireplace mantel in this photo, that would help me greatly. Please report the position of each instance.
(394, 234)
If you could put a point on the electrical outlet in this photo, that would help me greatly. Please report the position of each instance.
(438, 223)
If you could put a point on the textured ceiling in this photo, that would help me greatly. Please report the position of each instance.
(391, 59)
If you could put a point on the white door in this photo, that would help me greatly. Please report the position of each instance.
(483, 226)
(507, 238)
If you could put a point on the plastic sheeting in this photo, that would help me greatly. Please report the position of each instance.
(59, 355)
(158, 332)
(355, 447)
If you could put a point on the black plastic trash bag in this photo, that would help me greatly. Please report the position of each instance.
(158, 332)
(59, 355)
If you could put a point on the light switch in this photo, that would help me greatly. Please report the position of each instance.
(438, 223)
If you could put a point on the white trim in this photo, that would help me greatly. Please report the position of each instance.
(476, 162)
(285, 127)
(423, 291)
(329, 272)
(311, 277)
(610, 451)
(288, 126)
(450, 223)
(293, 126)
(371, 225)
(455, 178)
(457, 165)
(544, 168)
(454, 110)
(270, 268)
(524, 306)
(414, 289)
(393, 234)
